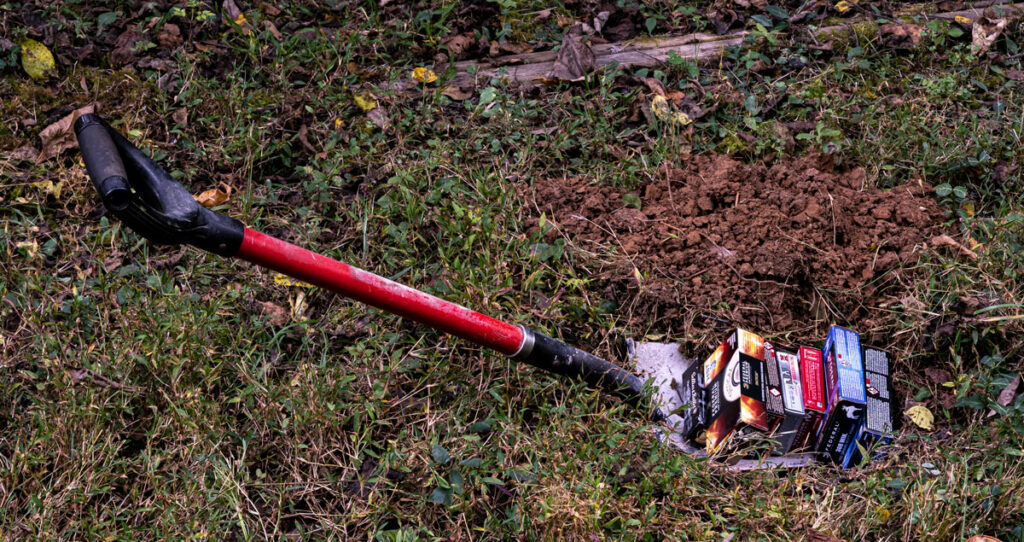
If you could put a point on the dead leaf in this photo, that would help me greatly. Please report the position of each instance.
(782, 134)
(23, 153)
(180, 116)
(598, 23)
(622, 31)
(170, 36)
(1015, 75)
(654, 85)
(983, 538)
(921, 416)
(270, 9)
(231, 10)
(937, 376)
(80, 53)
(984, 33)
(459, 43)
(304, 139)
(234, 15)
(901, 36)
(276, 314)
(60, 136)
(947, 241)
(168, 82)
(124, 52)
(498, 47)
(379, 118)
(575, 59)
(78, 375)
(161, 64)
(272, 28)
(214, 196)
(457, 93)
(814, 535)
(722, 252)
(943, 380)
(1009, 393)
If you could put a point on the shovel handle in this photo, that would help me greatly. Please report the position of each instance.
(517, 342)
(363, 286)
(140, 193)
(103, 162)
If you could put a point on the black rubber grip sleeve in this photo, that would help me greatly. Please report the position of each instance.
(103, 162)
(560, 358)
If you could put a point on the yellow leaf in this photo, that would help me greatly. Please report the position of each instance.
(285, 280)
(214, 196)
(843, 6)
(921, 416)
(31, 247)
(681, 118)
(50, 187)
(962, 20)
(365, 101)
(424, 75)
(663, 111)
(36, 59)
(240, 20)
(660, 107)
(638, 278)
(883, 513)
(968, 209)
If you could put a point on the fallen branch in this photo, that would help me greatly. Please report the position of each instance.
(647, 52)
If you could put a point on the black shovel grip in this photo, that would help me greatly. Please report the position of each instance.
(555, 356)
(103, 162)
(146, 198)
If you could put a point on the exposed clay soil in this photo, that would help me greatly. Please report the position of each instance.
(768, 247)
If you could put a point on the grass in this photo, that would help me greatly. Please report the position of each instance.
(146, 395)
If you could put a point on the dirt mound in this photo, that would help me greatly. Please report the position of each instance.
(768, 247)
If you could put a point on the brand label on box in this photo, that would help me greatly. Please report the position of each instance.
(812, 379)
(844, 372)
(789, 370)
(691, 394)
(880, 419)
(773, 400)
(734, 386)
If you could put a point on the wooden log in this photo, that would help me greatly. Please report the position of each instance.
(530, 68)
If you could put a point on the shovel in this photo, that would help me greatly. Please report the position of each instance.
(144, 197)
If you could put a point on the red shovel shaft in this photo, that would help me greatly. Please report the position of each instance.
(379, 292)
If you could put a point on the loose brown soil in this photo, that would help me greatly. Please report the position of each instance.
(789, 245)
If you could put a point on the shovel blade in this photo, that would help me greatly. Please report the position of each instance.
(663, 366)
